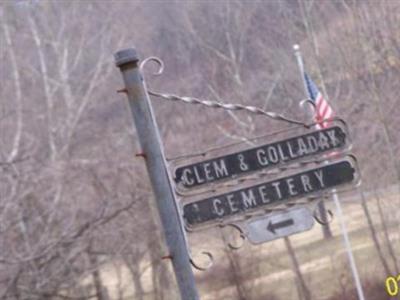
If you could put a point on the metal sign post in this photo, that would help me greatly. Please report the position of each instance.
(149, 137)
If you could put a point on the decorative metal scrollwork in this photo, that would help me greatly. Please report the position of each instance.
(311, 103)
(201, 268)
(318, 218)
(155, 59)
(242, 236)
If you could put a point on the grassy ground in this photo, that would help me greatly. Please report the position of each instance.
(266, 269)
(322, 271)
(324, 263)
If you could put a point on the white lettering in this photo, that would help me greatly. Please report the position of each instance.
(262, 191)
(186, 179)
(305, 180)
(198, 178)
(312, 143)
(220, 170)
(334, 140)
(273, 155)
(243, 166)
(208, 171)
(319, 175)
(278, 190)
(218, 210)
(283, 156)
(262, 160)
(248, 200)
(302, 147)
(291, 186)
(231, 203)
(323, 141)
(291, 153)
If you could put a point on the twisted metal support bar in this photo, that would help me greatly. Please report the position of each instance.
(212, 103)
(227, 106)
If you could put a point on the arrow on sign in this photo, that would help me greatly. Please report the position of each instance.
(265, 228)
(272, 227)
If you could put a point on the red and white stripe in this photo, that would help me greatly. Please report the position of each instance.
(323, 111)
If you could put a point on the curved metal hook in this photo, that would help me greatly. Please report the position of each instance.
(155, 59)
(209, 265)
(242, 236)
(311, 103)
(318, 219)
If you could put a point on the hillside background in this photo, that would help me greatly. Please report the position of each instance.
(77, 214)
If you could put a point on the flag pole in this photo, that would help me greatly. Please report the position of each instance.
(321, 207)
(346, 240)
(335, 197)
(299, 59)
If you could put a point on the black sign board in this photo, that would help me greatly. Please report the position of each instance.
(269, 193)
(260, 157)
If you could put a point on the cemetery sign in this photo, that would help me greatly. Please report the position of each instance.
(260, 157)
(268, 194)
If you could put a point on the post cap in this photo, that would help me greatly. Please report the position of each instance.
(125, 56)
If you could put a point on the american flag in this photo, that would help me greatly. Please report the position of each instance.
(323, 110)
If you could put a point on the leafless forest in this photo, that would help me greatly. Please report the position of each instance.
(77, 214)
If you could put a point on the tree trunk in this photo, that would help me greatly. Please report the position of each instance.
(160, 274)
(133, 266)
(373, 234)
(305, 292)
(386, 234)
(235, 274)
(101, 291)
